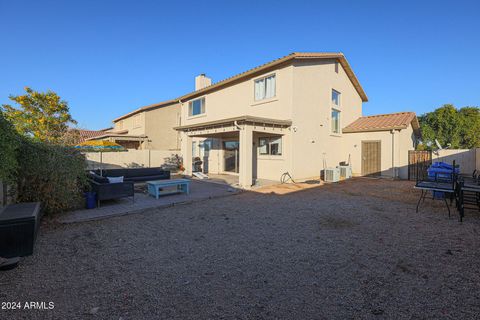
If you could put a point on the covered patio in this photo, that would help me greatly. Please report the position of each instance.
(240, 131)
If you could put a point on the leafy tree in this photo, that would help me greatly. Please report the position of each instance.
(470, 128)
(42, 116)
(458, 129)
(71, 137)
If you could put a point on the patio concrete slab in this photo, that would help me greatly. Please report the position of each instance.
(232, 180)
(199, 190)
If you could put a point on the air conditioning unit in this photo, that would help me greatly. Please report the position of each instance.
(345, 172)
(331, 175)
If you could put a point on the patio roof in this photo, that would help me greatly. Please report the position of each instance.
(121, 136)
(231, 121)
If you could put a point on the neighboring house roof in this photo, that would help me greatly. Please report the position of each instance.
(252, 72)
(118, 135)
(384, 122)
(88, 134)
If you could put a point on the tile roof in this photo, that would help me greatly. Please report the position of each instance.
(340, 57)
(383, 122)
(87, 134)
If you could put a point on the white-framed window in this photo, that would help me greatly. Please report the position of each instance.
(265, 88)
(196, 107)
(335, 121)
(194, 149)
(270, 146)
(336, 98)
(137, 121)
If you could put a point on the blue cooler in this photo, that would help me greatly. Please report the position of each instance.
(441, 171)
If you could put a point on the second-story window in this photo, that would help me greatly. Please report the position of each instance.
(335, 121)
(196, 107)
(265, 88)
(335, 126)
(335, 98)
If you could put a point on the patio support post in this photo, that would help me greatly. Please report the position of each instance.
(187, 153)
(246, 157)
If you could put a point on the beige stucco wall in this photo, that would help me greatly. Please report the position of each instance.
(312, 140)
(238, 100)
(354, 144)
(129, 159)
(129, 124)
(407, 142)
(159, 124)
(465, 158)
(402, 141)
(271, 167)
(477, 159)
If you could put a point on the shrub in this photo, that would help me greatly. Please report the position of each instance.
(9, 143)
(52, 174)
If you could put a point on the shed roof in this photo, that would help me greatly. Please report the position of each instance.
(384, 122)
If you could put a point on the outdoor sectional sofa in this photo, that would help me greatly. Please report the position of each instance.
(109, 191)
(136, 174)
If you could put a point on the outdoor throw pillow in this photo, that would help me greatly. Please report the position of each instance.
(115, 179)
(97, 178)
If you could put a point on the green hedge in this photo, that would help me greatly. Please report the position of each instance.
(9, 143)
(52, 174)
(37, 171)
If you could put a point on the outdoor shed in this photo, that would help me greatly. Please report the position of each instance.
(380, 144)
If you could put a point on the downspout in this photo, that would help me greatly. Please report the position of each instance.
(393, 153)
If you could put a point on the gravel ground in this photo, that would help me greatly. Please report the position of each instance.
(351, 250)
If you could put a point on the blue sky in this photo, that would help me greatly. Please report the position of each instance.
(107, 58)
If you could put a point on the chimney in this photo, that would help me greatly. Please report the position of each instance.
(202, 81)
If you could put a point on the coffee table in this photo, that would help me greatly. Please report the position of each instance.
(155, 188)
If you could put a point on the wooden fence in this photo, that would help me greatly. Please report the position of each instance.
(418, 163)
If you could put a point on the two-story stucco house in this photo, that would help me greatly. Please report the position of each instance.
(297, 114)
